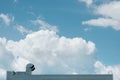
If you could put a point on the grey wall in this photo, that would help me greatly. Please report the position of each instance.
(24, 76)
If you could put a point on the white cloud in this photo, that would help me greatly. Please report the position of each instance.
(23, 30)
(5, 56)
(103, 69)
(5, 59)
(111, 10)
(110, 15)
(44, 26)
(49, 52)
(54, 54)
(2, 74)
(19, 64)
(88, 2)
(6, 18)
(103, 22)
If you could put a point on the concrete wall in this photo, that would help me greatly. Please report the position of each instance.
(23, 76)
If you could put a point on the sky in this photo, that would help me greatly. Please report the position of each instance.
(60, 36)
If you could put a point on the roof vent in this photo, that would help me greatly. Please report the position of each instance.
(29, 68)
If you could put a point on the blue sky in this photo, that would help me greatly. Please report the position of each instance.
(71, 21)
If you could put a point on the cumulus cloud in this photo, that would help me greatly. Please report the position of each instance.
(103, 69)
(23, 30)
(19, 63)
(49, 52)
(110, 15)
(44, 25)
(6, 18)
(6, 58)
(2, 74)
(103, 22)
(54, 54)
